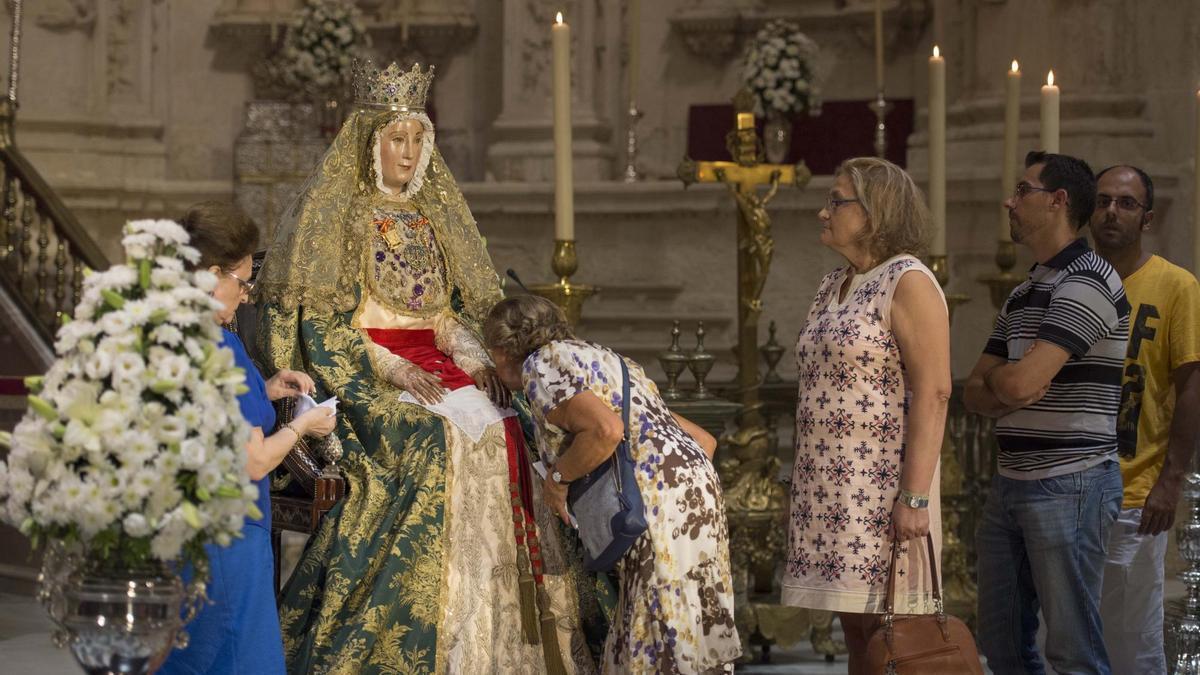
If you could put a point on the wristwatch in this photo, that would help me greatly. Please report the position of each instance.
(913, 500)
(556, 476)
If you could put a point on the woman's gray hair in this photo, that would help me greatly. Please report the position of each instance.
(520, 325)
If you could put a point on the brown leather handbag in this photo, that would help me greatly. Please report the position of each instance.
(924, 644)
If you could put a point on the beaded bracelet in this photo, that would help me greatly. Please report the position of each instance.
(299, 435)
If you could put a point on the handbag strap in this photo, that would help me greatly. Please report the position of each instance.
(890, 599)
(621, 453)
(624, 397)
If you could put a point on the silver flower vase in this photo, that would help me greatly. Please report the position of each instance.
(116, 621)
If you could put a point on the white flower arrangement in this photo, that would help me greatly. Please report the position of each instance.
(133, 447)
(780, 69)
(321, 44)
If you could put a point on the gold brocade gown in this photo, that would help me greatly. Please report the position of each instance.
(417, 569)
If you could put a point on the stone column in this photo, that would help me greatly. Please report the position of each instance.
(522, 145)
(1121, 103)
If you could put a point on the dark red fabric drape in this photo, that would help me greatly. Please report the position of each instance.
(418, 346)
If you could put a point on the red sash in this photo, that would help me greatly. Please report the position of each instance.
(418, 346)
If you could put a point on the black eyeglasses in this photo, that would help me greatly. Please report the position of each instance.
(1024, 189)
(1125, 203)
(247, 286)
(832, 204)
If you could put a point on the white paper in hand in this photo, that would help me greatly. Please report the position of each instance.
(304, 403)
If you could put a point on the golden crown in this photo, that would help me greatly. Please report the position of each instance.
(391, 88)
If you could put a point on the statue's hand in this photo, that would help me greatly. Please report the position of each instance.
(425, 386)
(488, 381)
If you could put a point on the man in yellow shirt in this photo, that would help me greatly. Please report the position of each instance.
(1156, 425)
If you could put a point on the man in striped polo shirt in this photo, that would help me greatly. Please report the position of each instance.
(1051, 373)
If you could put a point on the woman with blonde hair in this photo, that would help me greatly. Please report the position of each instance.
(874, 360)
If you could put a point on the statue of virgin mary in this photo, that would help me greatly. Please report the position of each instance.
(441, 557)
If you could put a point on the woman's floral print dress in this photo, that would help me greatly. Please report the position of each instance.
(675, 613)
(850, 427)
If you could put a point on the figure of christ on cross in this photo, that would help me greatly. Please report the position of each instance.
(755, 245)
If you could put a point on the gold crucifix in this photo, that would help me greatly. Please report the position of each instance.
(755, 245)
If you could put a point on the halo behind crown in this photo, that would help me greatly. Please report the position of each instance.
(391, 88)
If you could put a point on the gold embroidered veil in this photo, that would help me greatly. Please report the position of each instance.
(316, 256)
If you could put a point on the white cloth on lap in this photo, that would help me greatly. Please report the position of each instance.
(467, 408)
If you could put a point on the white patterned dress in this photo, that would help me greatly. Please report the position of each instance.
(851, 422)
(675, 611)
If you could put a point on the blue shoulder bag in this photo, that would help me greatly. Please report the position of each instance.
(607, 503)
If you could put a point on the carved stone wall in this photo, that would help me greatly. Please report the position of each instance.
(522, 147)
(133, 108)
(1123, 101)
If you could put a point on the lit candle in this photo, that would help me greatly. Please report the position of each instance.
(635, 34)
(564, 196)
(937, 150)
(1012, 123)
(878, 45)
(1050, 114)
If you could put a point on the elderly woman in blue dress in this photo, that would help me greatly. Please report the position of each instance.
(675, 608)
(238, 631)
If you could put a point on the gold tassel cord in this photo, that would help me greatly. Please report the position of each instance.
(527, 588)
(550, 647)
(526, 582)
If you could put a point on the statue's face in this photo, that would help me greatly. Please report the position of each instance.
(399, 151)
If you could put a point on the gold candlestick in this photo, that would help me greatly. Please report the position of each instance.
(940, 266)
(956, 578)
(568, 296)
(1002, 284)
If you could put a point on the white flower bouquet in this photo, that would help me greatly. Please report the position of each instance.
(324, 39)
(133, 447)
(780, 69)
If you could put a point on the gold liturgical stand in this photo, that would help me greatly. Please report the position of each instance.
(567, 295)
(756, 501)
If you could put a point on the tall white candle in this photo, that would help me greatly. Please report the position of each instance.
(878, 45)
(937, 150)
(564, 189)
(635, 37)
(1012, 127)
(1050, 114)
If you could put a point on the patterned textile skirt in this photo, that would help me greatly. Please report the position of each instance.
(416, 570)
